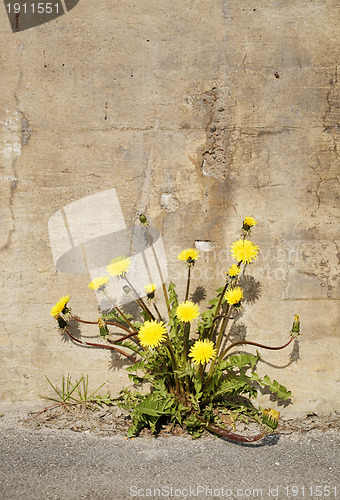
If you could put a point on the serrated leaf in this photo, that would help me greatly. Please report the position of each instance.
(281, 391)
(239, 361)
(132, 347)
(198, 387)
(137, 366)
(189, 370)
(172, 294)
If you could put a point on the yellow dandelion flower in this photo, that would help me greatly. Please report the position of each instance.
(271, 417)
(244, 251)
(101, 323)
(187, 311)
(99, 283)
(150, 289)
(152, 333)
(249, 221)
(295, 331)
(234, 296)
(119, 266)
(60, 306)
(202, 351)
(233, 271)
(103, 329)
(189, 255)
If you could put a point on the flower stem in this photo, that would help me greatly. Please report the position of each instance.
(185, 341)
(103, 346)
(83, 321)
(211, 331)
(188, 284)
(186, 334)
(126, 337)
(106, 322)
(210, 372)
(173, 362)
(159, 271)
(120, 326)
(120, 312)
(226, 319)
(157, 311)
(218, 344)
(241, 342)
(201, 371)
(231, 435)
(139, 300)
(220, 335)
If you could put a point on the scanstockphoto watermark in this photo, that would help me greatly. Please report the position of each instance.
(202, 491)
(267, 256)
(26, 14)
(273, 263)
(198, 491)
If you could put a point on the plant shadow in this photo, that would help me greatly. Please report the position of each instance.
(118, 361)
(198, 295)
(251, 288)
(74, 328)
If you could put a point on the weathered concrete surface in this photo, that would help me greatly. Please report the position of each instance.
(198, 113)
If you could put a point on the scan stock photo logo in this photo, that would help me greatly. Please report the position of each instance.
(88, 233)
(26, 14)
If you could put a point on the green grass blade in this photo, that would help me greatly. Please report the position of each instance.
(53, 387)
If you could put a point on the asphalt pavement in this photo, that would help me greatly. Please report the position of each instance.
(53, 464)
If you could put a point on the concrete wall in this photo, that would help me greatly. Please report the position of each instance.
(199, 113)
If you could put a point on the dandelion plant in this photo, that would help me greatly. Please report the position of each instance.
(198, 378)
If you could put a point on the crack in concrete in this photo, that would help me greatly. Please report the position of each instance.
(25, 135)
(221, 134)
(13, 188)
(330, 104)
(144, 198)
(25, 129)
(332, 101)
(316, 191)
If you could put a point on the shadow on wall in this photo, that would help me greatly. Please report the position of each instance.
(88, 233)
(25, 15)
